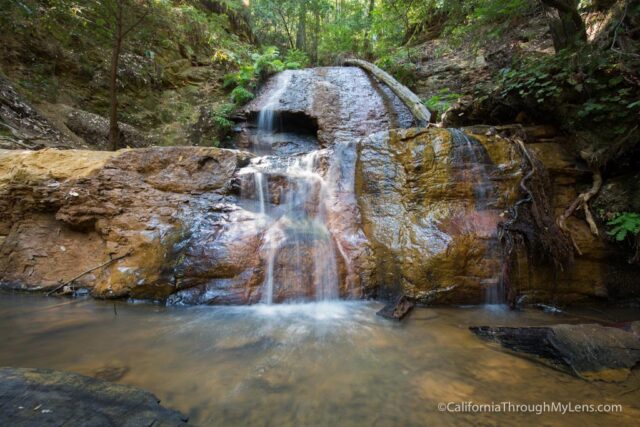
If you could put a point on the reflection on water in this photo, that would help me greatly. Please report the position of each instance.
(326, 364)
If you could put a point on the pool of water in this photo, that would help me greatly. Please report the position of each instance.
(327, 364)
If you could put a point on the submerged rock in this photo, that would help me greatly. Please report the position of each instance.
(37, 397)
(592, 352)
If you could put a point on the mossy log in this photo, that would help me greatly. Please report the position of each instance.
(420, 112)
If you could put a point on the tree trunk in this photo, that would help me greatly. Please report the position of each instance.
(286, 29)
(316, 33)
(114, 131)
(565, 23)
(367, 33)
(301, 37)
(411, 100)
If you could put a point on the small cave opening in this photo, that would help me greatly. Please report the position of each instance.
(289, 122)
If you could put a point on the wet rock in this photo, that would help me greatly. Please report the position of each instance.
(590, 351)
(341, 101)
(111, 372)
(431, 200)
(37, 397)
(68, 212)
(397, 310)
(248, 345)
(430, 209)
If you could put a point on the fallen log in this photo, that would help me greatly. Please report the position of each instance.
(411, 100)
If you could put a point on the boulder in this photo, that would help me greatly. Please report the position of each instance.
(589, 351)
(340, 104)
(38, 397)
(397, 310)
(430, 205)
(23, 125)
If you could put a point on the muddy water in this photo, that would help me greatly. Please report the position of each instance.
(326, 364)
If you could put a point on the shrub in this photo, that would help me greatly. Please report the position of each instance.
(623, 225)
(589, 88)
(442, 101)
(296, 59)
(263, 65)
(240, 95)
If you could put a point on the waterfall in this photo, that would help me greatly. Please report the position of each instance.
(268, 115)
(471, 156)
(261, 191)
(298, 250)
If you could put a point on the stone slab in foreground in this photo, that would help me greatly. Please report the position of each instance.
(44, 397)
(591, 351)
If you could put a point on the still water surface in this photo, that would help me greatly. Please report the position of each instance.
(326, 364)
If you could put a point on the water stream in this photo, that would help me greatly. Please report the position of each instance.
(319, 364)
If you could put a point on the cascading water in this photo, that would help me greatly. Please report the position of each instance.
(268, 116)
(298, 247)
(471, 156)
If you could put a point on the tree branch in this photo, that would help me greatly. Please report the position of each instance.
(139, 21)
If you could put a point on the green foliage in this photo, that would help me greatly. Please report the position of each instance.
(264, 64)
(442, 101)
(333, 30)
(623, 225)
(221, 121)
(400, 63)
(267, 63)
(588, 87)
(486, 19)
(244, 77)
(240, 95)
(295, 59)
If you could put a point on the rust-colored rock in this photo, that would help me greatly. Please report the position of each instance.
(67, 212)
(431, 200)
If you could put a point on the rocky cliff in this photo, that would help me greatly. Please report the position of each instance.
(169, 223)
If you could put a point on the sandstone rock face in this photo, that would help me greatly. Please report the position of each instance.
(339, 104)
(331, 203)
(431, 200)
(64, 213)
(430, 212)
(411, 212)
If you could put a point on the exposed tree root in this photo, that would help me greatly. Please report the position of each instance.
(530, 224)
(582, 202)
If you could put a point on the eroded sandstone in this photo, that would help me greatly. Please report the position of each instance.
(409, 212)
(431, 201)
(68, 212)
